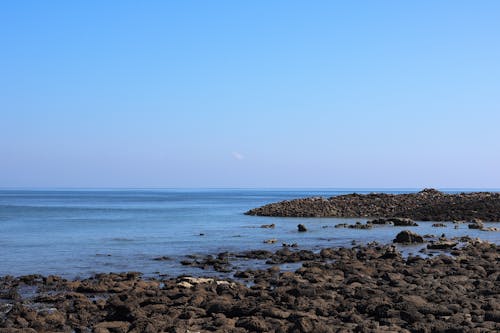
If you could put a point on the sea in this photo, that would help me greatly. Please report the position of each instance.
(78, 233)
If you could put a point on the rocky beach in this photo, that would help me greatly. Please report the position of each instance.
(369, 288)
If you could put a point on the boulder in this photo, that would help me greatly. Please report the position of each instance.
(408, 237)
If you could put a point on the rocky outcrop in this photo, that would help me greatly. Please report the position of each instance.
(426, 205)
(363, 289)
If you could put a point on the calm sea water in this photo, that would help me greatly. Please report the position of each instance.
(78, 233)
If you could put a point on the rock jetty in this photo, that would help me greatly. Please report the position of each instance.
(426, 205)
(361, 289)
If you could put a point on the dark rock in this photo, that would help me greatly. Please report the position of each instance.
(162, 258)
(442, 245)
(476, 225)
(403, 222)
(301, 228)
(408, 237)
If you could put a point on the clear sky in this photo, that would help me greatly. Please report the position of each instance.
(250, 93)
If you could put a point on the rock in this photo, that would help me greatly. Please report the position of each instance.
(301, 228)
(270, 241)
(359, 225)
(268, 226)
(489, 229)
(408, 237)
(113, 326)
(441, 245)
(255, 254)
(403, 222)
(439, 225)
(162, 258)
(477, 224)
(253, 324)
(380, 221)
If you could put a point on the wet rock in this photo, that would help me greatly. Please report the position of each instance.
(408, 237)
(268, 226)
(477, 224)
(442, 245)
(359, 225)
(255, 254)
(490, 229)
(301, 228)
(162, 258)
(439, 225)
(403, 222)
(380, 221)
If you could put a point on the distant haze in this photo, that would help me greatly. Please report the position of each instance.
(250, 94)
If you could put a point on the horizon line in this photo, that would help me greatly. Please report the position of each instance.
(131, 188)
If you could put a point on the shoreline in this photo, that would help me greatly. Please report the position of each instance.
(362, 288)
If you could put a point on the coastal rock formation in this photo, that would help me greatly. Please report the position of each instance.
(426, 205)
(362, 289)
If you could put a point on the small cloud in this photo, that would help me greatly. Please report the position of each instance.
(237, 156)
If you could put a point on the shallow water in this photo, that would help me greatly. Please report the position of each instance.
(78, 233)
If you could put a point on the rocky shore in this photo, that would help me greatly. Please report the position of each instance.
(371, 288)
(426, 205)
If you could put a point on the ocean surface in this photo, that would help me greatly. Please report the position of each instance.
(76, 233)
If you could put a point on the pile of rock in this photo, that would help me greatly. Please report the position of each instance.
(426, 205)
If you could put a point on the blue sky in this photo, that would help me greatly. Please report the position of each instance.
(250, 94)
